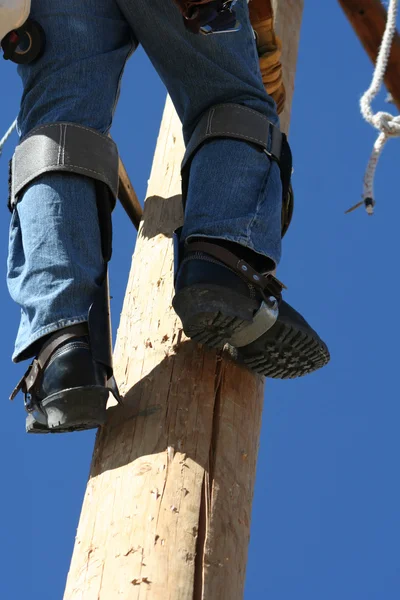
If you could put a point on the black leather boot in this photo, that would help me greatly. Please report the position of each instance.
(221, 299)
(65, 389)
(67, 385)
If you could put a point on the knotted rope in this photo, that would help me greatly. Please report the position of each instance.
(387, 124)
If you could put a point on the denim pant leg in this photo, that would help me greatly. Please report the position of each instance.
(234, 192)
(54, 248)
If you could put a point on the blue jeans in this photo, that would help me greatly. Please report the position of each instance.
(234, 190)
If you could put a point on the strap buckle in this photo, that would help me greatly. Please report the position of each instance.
(268, 284)
(26, 384)
(28, 380)
(224, 22)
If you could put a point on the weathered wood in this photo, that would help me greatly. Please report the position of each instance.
(166, 515)
(368, 19)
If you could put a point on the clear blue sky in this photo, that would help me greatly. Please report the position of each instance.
(326, 518)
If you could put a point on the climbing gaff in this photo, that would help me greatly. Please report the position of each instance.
(22, 39)
(70, 148)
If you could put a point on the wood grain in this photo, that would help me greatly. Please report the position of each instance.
(167, 510)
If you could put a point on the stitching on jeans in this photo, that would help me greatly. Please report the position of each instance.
(262, 195)
(132, 49)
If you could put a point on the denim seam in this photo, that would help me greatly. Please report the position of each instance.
(261, 194)
(71, 263)
(118, 88)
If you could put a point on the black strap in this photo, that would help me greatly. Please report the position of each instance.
(267, 284)
(240, 122)
(66, 148)
(27, 382)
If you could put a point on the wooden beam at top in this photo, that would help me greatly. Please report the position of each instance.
(368, 19)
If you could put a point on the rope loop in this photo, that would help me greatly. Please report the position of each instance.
(387, 125)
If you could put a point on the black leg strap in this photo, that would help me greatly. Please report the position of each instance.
(239, 122)
(28, 381)
(64, 148)
(70, 148)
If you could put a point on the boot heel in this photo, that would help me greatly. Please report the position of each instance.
(211, 314)
(77, 408)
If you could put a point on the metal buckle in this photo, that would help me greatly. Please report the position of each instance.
(27, 381)
(208, 30)
(226, 7)
(263, 320)
(30, 405)
(274, 287)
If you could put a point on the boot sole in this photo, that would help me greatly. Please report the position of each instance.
(211, 315)
(286, 351)
(75, 409)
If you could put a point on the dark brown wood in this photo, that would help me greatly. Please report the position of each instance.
(128, 198)
(368, 19)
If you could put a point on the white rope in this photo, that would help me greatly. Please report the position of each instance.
(387, 125)
(7, 135)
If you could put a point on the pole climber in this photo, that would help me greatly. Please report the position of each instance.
(236, 177)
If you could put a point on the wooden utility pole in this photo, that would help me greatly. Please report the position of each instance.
(166, 515)
(368, 19)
